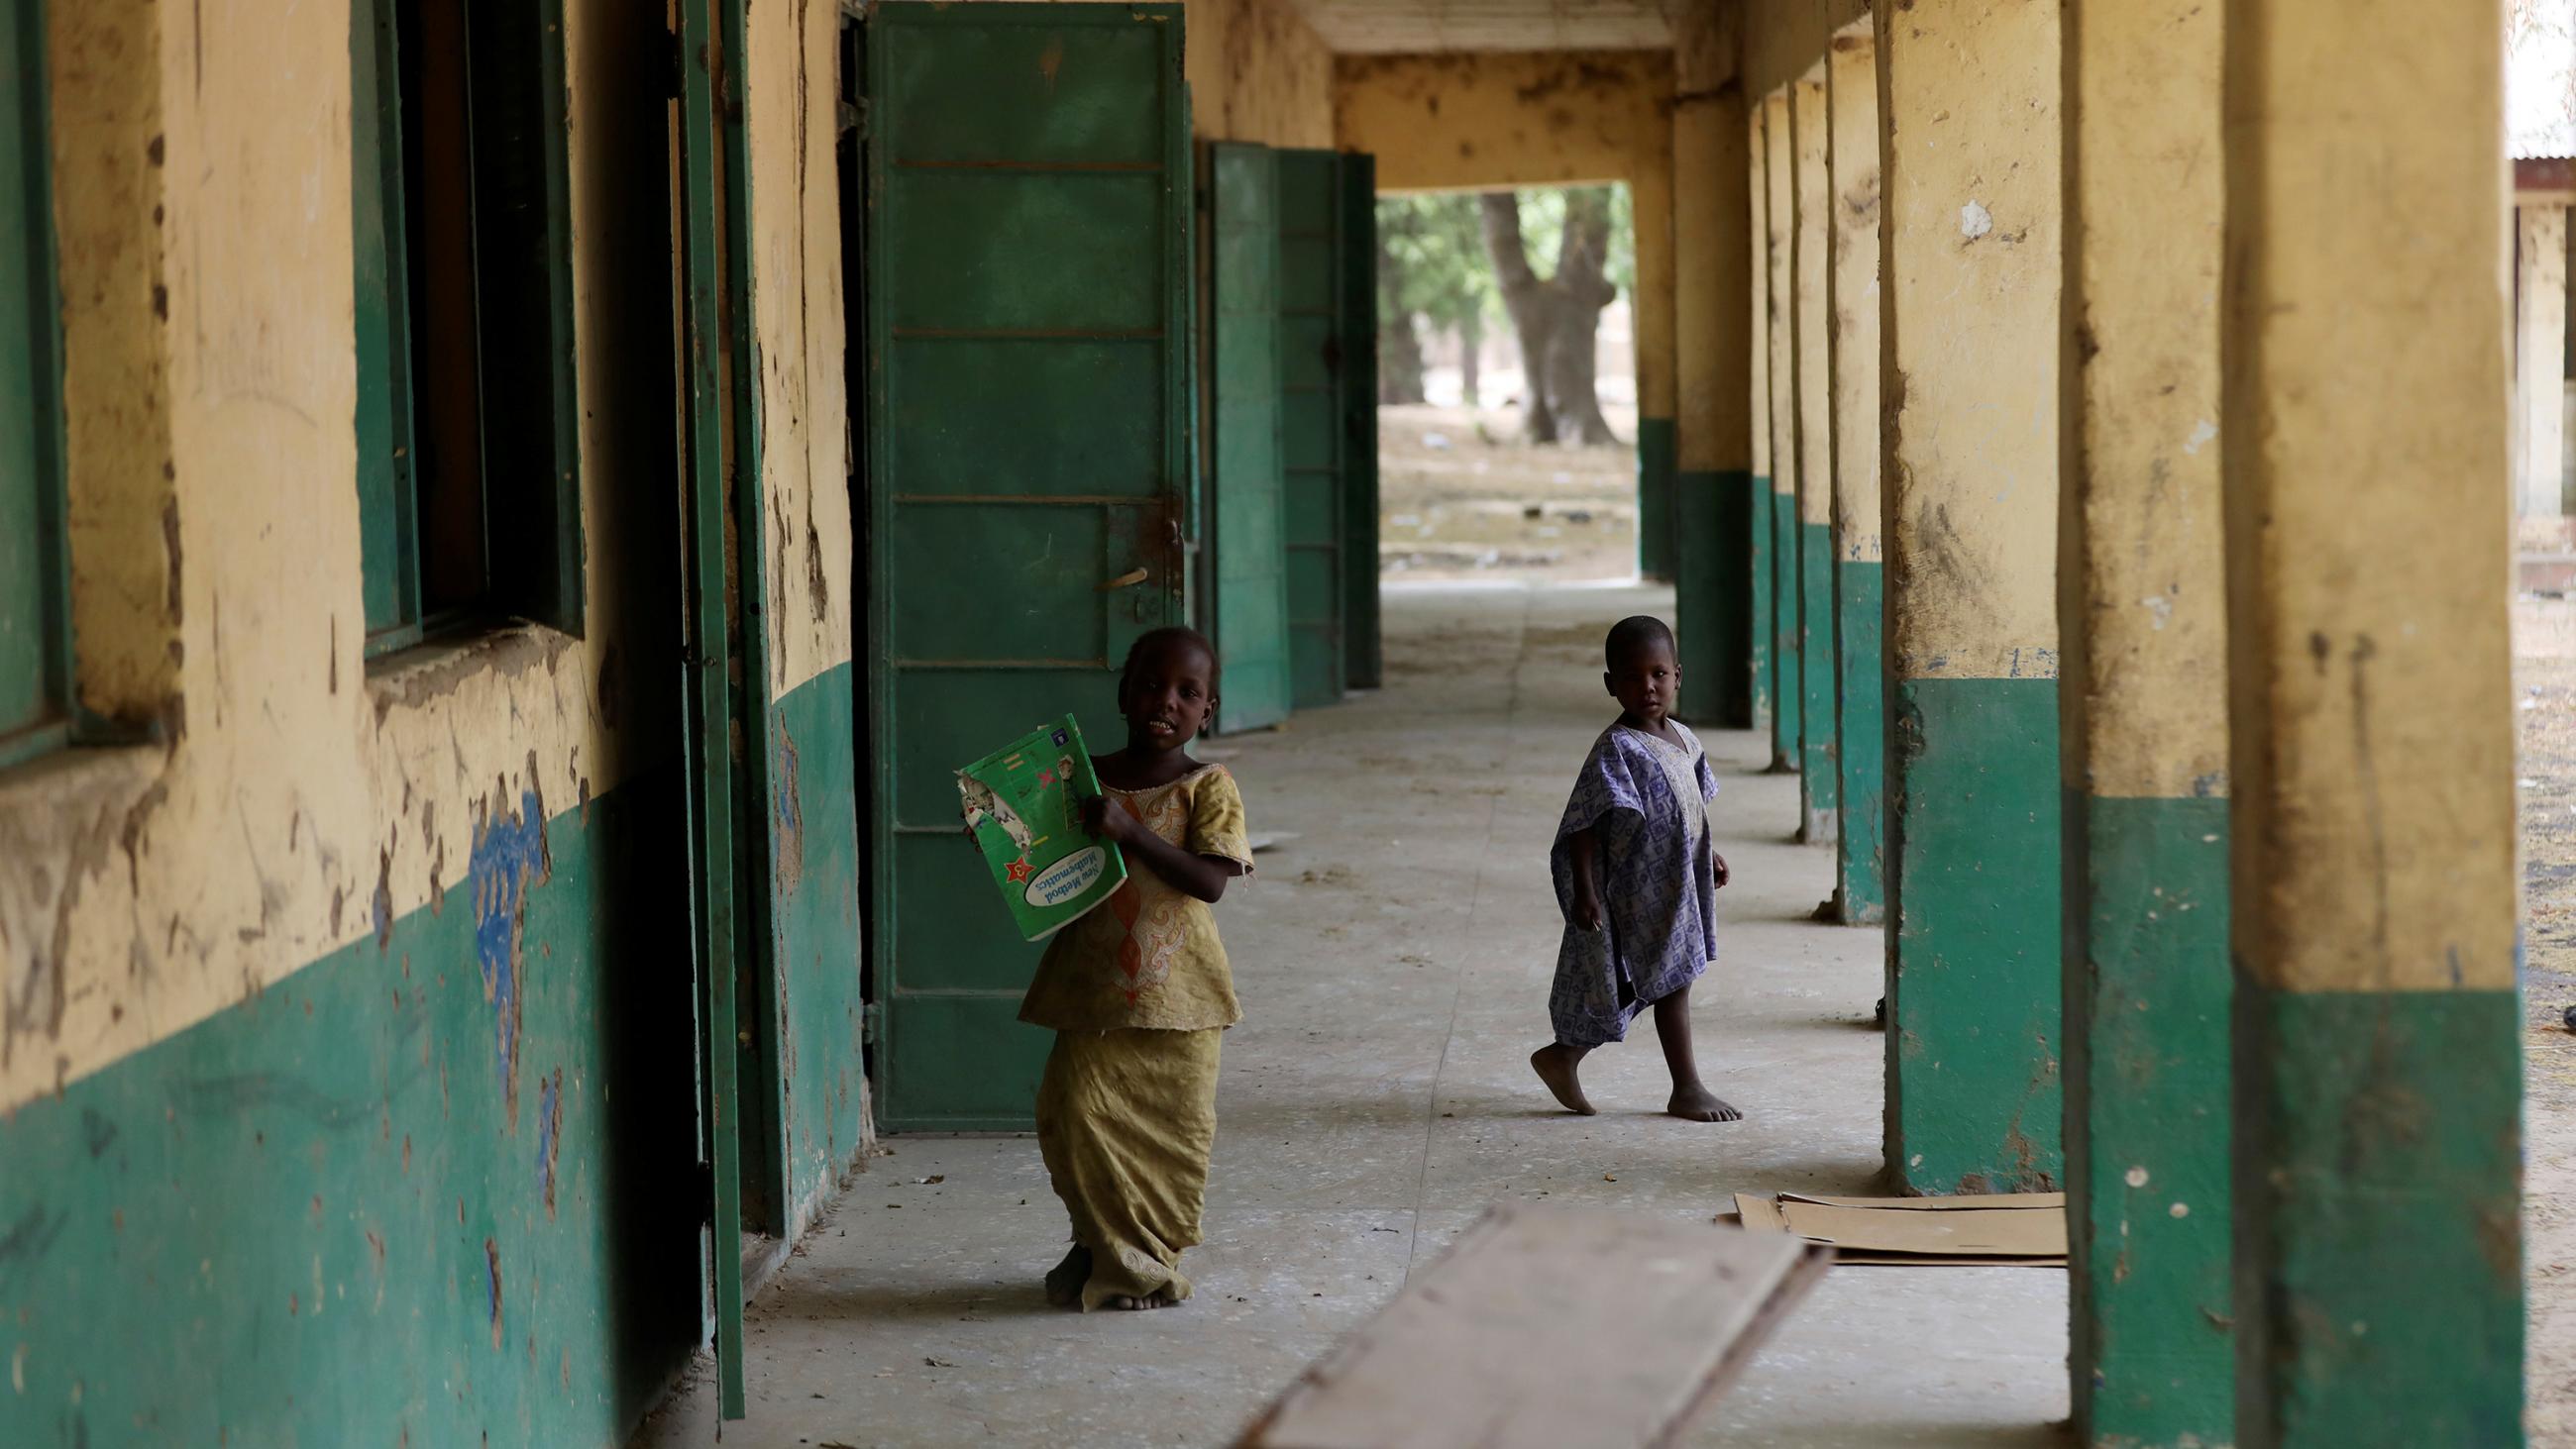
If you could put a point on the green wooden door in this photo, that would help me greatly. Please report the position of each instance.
(1310, 420)
(1361, 667)
(717, 884)
(1028, 449)
(1248, 595)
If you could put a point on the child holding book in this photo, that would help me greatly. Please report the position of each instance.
(1637, 875)
(1138, 992)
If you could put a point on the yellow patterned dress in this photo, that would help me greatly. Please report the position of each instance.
(1138, 993)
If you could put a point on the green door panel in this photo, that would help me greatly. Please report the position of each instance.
(35, 629)
(1360, 662)
(716, 883)
(1248, 601)
(1310, 420)
(1029, 445)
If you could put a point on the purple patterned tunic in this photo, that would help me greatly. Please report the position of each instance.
(1647, 802)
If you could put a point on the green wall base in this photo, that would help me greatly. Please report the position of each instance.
(2151, 1353)
(1658, 521)
(435, 1185)
(1765, 609)
(2378, 1256)
(1788, 682)
(1713, 597)
(1819, 773)
(1972, 992)
(1860, 741)
(815, 871)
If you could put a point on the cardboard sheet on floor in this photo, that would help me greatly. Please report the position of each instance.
(2015, 1230)
(1543, 1327)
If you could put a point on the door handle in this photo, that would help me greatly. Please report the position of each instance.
(1127, 580)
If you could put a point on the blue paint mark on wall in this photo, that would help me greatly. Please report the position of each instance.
(509, 856)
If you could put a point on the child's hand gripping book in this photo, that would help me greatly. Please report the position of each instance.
(1023, 802)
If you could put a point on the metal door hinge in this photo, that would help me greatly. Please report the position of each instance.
(871, 1023)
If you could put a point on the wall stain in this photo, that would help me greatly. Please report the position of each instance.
(549, 1134)
(790, 809)
(492, 1285)
(510, 854)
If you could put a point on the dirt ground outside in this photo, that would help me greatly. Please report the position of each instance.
(2545, 681)
(1461, 497)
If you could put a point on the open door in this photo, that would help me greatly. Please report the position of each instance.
(1248, 593)
(1029, 446)
(709, 701)
(1361, 668)
(1312, 442)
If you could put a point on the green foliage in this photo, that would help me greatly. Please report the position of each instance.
(1431, 251)
(1431, 259)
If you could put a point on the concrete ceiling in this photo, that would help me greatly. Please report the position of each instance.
(1362, 27)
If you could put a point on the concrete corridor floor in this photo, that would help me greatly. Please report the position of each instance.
(1393, 960)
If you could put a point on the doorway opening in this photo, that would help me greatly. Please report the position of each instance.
(1507, 386)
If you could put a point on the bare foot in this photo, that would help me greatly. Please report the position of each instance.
(1151, 1300)
(1555, 1065)
(1064, 1281)
(1696, 1103)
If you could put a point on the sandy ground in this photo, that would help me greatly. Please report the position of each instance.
(2545, 679)
(1459, 497)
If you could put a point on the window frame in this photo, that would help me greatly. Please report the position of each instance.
(526, 476)
(26, 137)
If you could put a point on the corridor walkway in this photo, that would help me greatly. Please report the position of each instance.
(1393, 960)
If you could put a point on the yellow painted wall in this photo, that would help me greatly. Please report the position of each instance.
(1971, 195)
(2369, 512)
(796, 290)
(1712, 245)
(1783, 39)
(2141, 586)
(1852, 101)
(1257, 72)
(299, 795)
(1552, 118)
(1810, 266)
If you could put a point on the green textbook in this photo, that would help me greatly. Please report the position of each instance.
(1024, 804)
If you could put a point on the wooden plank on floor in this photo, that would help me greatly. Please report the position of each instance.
(1544, 1327)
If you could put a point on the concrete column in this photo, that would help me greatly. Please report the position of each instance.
(1860, 712)
(2377, 1084)
(2142, 711)
(1819, 779)
(1780, 209)
(1650, 197)
(2540, 360)
(1756, 346)
(1968, 316)
(1713, 487)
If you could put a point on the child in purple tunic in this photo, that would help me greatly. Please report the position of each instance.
(1637, 877)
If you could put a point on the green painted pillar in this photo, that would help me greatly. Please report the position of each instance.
(1713, 489)
(1969, 321)
(1658, 551)
(2143, 722)
(1819, 775)
(1788, 678)
(2364, 430)
(1755, 344)
(1858, 548)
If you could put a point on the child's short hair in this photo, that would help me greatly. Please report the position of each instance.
(1153, 639)
(1633, 633)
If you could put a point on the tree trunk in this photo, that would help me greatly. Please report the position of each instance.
(1471, 342)
(1399, 359)
(1558, 318)
(1525, 301)
(1582, 291)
